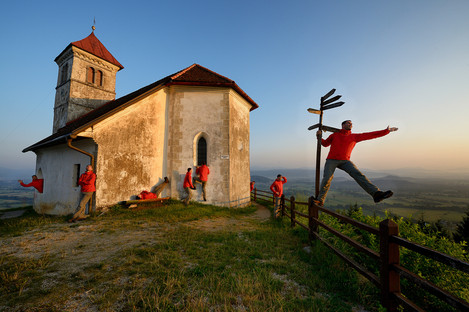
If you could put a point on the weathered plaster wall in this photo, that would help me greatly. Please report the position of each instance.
(195, 111)
(131, 150)
(239, 150)
(61, 194)
(83, 89)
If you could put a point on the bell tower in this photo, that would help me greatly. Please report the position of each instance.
(86, 79)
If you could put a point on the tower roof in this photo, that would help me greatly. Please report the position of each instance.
(92, 45)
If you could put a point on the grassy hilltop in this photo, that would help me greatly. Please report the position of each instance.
(173, 258)
(199, 258)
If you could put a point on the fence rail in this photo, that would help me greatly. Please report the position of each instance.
(388, 257)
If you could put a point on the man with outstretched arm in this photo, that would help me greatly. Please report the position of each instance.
(36, 183)
(342, 144)
(277, 189)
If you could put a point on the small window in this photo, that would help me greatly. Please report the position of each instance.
(201, 151)
(76, 175)
(90, 75)
(99, 78)
(64, 73)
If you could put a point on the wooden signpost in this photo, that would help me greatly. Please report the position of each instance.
(326, 103)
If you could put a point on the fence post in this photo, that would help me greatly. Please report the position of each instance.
(282, 204)
(312, 213)
(292, 211)
(389, 253)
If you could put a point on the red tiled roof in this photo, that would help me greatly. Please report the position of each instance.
(92, 45)
(194, 75)
(197, 75)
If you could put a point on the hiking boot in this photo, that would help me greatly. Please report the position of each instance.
(379, 196)
(318, 203)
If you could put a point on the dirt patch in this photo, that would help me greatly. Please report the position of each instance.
(262, 214)
(84, 243)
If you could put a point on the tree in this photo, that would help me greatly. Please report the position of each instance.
(462, 230)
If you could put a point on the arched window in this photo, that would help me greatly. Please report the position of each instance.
(201, 151)
(99, 78)
(63, 74)
(90, 75)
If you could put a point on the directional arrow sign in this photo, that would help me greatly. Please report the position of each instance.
(335, 98)
(330, 129)
(314, 126)
(325, 97)
(333, 105)
(325, 128)
(314, 111)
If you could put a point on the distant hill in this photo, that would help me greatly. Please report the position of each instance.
(15, 174)
(260, 179)
(304, 179)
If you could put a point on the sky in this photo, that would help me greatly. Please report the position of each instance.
(399, 63)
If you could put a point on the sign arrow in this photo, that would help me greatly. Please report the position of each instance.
(333, 105)
(335, 98)
(314, 126)
(323, 127)
(325, 97)
(330, 129)
(314, 111)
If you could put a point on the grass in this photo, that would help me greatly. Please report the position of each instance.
(165, 261)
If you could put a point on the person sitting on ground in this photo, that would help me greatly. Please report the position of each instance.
(38, 184)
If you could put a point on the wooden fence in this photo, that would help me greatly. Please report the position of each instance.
(388, 257)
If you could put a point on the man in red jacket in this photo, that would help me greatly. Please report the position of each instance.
(36, 183)
(277, 189)
(87, 182)
(203, 173)
(188, 185)
(342, 144)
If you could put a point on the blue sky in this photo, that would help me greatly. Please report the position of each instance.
(398, 63)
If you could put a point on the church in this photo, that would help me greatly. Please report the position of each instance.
(191, 117)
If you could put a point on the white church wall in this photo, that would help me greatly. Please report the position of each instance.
(239, 151)
(196, 111)
(131, 150)
(58, 166)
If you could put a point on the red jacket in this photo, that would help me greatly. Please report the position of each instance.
(343, 142)
(188, 180)
(203, 172)
(277, 187)
(87, 181)
(38, 184)
(147, 195)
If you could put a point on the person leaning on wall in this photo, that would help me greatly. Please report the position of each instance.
(87, 182)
